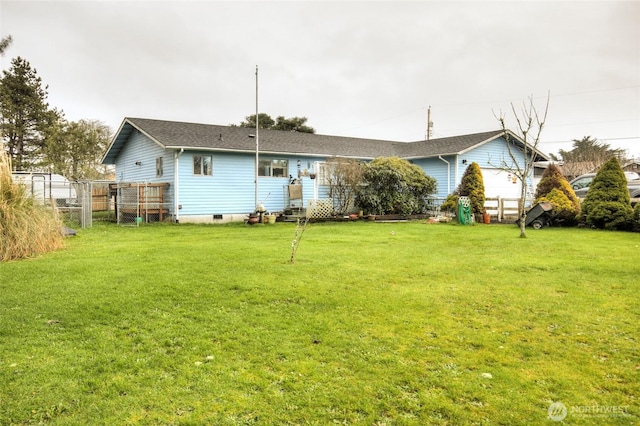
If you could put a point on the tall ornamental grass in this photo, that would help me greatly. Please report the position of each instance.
(26, 228)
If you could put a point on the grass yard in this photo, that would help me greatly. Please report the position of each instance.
(374, 324)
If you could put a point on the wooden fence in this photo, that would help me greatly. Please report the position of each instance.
(504, 209)
(101, 201)
(500, 209)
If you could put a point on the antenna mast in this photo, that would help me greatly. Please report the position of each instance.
(257, 141)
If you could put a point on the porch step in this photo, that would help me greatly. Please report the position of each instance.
(293, 215)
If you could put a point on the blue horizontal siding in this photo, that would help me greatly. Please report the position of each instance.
(139, 148)
(438, 169)
(231, 187)
(491, 155)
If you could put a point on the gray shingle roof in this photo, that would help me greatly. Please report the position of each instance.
(447, 146)
(177, 135)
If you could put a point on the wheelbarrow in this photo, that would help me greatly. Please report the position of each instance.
(541, 214)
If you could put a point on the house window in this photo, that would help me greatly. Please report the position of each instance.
(202, 165)
(324, 173)
(273, 168)
(159, 169)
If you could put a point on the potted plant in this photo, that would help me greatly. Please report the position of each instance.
(486, 217)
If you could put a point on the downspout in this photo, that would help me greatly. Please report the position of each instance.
(456, 172)
(448, 174)
(176, 174)
(316, 184)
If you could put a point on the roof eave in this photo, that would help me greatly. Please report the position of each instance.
(113, 141)
(109, 157)
(419, 157)
(267, 152)
(464, 151)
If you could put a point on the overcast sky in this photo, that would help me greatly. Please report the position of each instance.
(362, 68)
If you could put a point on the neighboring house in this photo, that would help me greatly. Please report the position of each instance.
(632, 166)
(210, 170)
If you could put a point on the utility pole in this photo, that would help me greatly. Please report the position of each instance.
(429, 124)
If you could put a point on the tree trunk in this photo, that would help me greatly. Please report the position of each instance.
(523, 221)
(523, 210)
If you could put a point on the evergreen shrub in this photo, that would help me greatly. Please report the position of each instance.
(555, 189)
(472, 186)
(392, 185)
(608, 204)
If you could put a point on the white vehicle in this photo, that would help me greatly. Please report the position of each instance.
(48, 187)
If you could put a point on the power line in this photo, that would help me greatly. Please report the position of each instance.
(537, 97)
(602, 139)
(591, 122)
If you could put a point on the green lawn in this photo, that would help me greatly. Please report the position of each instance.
(374, 324)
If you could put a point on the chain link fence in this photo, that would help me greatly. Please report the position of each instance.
(141, 202)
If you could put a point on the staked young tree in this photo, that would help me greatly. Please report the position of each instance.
(25, 116)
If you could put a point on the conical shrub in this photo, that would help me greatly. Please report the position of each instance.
(472, 186)
(608, 204)
(554, 188)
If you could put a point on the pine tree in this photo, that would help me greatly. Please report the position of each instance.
(608, 204)
(25, 117)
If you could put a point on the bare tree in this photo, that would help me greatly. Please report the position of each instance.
(344, 176)
(529, 129)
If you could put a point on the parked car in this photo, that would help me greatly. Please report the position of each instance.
(581, 184)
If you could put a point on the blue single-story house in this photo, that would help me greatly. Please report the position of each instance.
(208, 172)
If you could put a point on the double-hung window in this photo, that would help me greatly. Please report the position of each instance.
(202, 165)
(273, 168)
